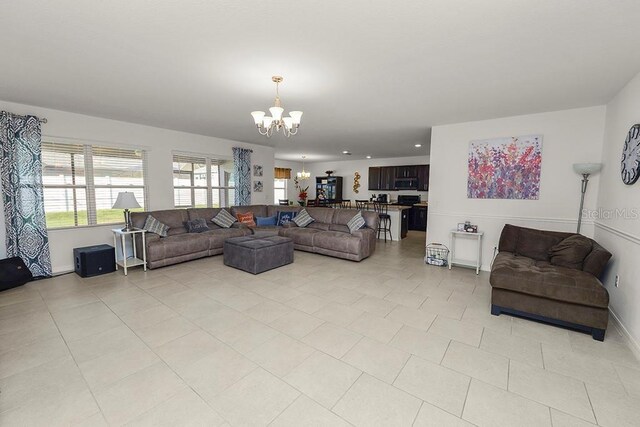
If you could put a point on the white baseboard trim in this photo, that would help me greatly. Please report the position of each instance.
(635, 347)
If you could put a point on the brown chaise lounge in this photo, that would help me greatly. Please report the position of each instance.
(529, 280)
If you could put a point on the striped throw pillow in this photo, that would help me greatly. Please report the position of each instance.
(356, 223)
(152, 225)
(224, 219)
(303, 218)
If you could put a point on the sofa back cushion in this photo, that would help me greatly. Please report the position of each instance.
(323, 215)
(529, 242)
(535, 245)
(597, 260)
(273, 210)
(256, 210)
(173, 218)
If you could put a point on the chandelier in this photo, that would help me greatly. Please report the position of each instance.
(302, 175)
(267, 124)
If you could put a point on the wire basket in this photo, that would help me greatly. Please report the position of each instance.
(437, 254)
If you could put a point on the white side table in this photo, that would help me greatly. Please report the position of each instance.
(120, 243)
(465, 263)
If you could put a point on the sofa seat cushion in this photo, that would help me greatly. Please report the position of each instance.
(542, 279)
(216, 238)
(338, 241)
(300, 236)
(177, 245)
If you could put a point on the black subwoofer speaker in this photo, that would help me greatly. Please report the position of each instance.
(13, 272)
(94, 260)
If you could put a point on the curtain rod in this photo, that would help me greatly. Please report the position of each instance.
(43, 120)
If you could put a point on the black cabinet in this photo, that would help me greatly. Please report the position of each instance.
(387, 178)
(384, 177)
(404, 223)
(330, 186)
(418, 218)
(423, 177)
(374, 178)
(406, 171)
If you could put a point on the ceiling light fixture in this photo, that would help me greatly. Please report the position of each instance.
(303, 174)
(418, 145)
(267, 124)
(347, 152)
(368, 157)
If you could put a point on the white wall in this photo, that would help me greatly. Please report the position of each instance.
(569, 136)
(292, 194)
(620, 234)
(348, 168)
(158, 142)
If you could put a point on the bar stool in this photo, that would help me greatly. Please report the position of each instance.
(345, 204)
(382, 209)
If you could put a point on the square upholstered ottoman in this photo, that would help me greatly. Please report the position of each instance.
(255, 254)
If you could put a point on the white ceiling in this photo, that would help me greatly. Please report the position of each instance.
(371, 76)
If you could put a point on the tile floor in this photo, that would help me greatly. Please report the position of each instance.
(388, 341)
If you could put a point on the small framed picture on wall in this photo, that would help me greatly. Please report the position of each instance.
(257, 170)
(257, 186)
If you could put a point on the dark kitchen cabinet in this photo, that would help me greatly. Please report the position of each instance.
(418, 218)
(374, 178)
(384, 177)
(406, 171)
(387, 178)
(423, 177)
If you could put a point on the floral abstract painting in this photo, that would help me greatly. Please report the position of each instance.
(505, 168)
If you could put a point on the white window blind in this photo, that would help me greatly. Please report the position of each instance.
(82, 181)
(279, 190)
(202, 181)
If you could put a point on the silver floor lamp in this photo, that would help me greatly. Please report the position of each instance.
(584, 169)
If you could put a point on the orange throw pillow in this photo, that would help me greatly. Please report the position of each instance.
(246, 218)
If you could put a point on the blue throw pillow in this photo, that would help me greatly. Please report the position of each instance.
(285, 217)
(263, 221)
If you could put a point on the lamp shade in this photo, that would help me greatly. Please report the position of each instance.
(257, 116)
(126, 200)
(296, 116)
(586, 168)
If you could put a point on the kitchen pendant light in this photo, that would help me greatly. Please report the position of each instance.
(268, 124)
(303, 175)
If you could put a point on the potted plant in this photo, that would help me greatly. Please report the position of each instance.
(302, 192)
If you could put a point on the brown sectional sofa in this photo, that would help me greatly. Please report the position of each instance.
(328, 235)
(526, 283)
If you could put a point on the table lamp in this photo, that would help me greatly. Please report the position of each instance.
(126, 200)
(584, 169)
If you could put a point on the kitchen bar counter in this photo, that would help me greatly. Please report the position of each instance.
(390, 207)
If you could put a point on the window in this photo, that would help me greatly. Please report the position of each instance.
(279, 190)
(81, 182)
(201, 181)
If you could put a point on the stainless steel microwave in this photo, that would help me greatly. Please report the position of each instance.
(406, 184)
